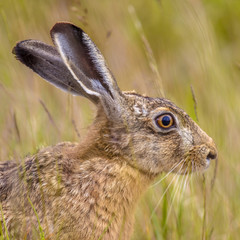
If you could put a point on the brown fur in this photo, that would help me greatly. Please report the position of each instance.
(83, 191)
(78, 191)
(89, 190)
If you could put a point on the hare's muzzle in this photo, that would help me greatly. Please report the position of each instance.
(212, 155)
(211, 152)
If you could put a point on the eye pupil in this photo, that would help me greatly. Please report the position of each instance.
(166, 120)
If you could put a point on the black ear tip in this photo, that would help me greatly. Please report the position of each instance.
(59, 27)
(22, 53)
(19, 51)
(64, 27)
(14, 50)
(17, 48)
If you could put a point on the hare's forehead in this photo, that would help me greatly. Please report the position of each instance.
(142, 105)
(140, 109)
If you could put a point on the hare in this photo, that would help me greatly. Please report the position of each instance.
(89, 190)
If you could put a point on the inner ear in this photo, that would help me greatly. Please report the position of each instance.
(99, 69)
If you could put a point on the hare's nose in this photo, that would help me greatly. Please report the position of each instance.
(212, 155)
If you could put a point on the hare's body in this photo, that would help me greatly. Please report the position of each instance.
(89, 190)
(75, 199)
(79, 191)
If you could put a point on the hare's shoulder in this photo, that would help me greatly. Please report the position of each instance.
(50, 155)
(43, 166)
(6, 169)
(48, 160)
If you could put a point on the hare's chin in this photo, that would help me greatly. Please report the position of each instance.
(207, 163)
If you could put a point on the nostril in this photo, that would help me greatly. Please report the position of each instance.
(212, 155)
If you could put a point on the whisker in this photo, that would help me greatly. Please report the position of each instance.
(181, 186)
(192, 176)
(188, 173)
(173, 198)
(192, 165)
(165, 192)
(195, 168)
(153, 185)
(185, 183)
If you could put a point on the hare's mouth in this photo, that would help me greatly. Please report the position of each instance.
(207, 162)
(194, 165)
(211, 156)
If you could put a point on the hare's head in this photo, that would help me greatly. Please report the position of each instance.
(151, 134)
(164, 138)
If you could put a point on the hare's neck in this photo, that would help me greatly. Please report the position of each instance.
(109, 185)
(110, 191)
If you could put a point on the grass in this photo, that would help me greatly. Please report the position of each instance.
(181, 46)
(41, 232)
(4, 224)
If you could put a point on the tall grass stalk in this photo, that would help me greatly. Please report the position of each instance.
(4, 224)
(41, 232)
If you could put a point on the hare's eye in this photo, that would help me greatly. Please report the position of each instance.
(165, 121)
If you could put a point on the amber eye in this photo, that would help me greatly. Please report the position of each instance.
(165, 121)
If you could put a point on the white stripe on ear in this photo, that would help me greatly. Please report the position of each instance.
(87, 67)
(59, 43)
(99, 62)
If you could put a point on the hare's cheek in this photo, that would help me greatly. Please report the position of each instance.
(186, 137)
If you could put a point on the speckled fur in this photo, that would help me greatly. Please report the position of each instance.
(89, 190)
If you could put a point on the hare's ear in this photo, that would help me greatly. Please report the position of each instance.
(47, 62)
(87, 66)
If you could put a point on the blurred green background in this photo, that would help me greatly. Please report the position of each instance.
(155, 47)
